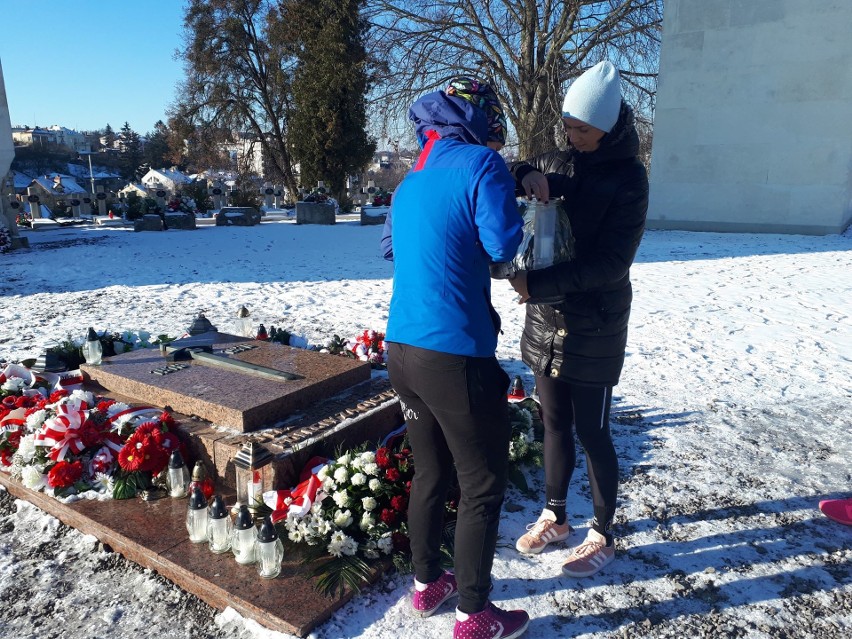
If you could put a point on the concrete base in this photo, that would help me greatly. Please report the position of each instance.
(288, 603)
(315, 213)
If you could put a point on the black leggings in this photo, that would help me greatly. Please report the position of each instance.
(457, 415)
(586, 409)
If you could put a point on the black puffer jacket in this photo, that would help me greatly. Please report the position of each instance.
(582, 339)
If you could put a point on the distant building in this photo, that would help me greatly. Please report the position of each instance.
(56, 191)
(167, 179)
(52, 135)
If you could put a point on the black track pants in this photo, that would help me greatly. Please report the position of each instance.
(567, 407)
(457, 413)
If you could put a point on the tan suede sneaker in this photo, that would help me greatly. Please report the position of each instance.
(542, 532)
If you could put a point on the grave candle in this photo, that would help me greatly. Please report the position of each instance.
(177, 479)
(270, 550)
(196, 516)
(218, 526)
(244, 537)
(92, 349)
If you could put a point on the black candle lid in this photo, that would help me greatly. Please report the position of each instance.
(197, 500)
(217, 508)
(244, 519)
(267, 531)
(176, 460)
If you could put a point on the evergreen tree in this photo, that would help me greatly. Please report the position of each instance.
(108, 138)
(131, 156)
(328, 128)
(156, 152)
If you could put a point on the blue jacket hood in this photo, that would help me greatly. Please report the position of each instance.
(450, 116)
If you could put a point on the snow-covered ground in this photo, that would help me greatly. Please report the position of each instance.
(732, 421)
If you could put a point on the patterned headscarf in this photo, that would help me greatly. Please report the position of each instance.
(481, 95)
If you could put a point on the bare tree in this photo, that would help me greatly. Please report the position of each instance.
(238, 75)
(528, 50)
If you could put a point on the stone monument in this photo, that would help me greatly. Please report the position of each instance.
(233, 389)
(7, 154)
(752, 120)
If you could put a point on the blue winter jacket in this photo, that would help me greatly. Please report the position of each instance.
(452, 215)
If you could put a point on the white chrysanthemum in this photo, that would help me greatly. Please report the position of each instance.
(342, 518)
(103, 483)
(341, 498)
(385, 544)
(296, 536)
(33, 478)
(27, 448)
(344, 460)
(328, 485)
(374, 484)
(116, 408)
(349, 546)
(359, 479)
(369, 503)
(367, 522)
(371, 468)
(36, 419)
(323, 472)
(335, 546)
(367, 457)
(341, 475)
(13, 385)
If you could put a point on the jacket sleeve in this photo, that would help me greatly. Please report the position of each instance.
(387, 244)
(552, 164)
(496, 215)
(611, 257)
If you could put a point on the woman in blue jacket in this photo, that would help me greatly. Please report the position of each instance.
(453, 214)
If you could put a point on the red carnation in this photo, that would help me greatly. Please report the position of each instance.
(64, 474)
(383, 457)
(399, 503)
(9, 401)
(166, 419)
(104, 405)
(91, 434)
(388, 516)
(392, 474)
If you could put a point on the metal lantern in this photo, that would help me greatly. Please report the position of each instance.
(270, 550)
(196, 516)
(243, 324)
(177, 479)
(93, 351)
(244, 537)
(219, 526)
(253, 475)
(200, 325)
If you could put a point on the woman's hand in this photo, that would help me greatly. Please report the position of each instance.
(535, 185)
(519, 283)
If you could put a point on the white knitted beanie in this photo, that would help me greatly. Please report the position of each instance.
(595, 97)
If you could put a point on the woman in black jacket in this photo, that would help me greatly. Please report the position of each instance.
(576, 346)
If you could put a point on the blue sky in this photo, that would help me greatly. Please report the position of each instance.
(85, 63)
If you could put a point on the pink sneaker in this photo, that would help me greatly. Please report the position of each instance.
(840, 510)
(426, 602)
(589, 557)
(491, 623)
(542, 532)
